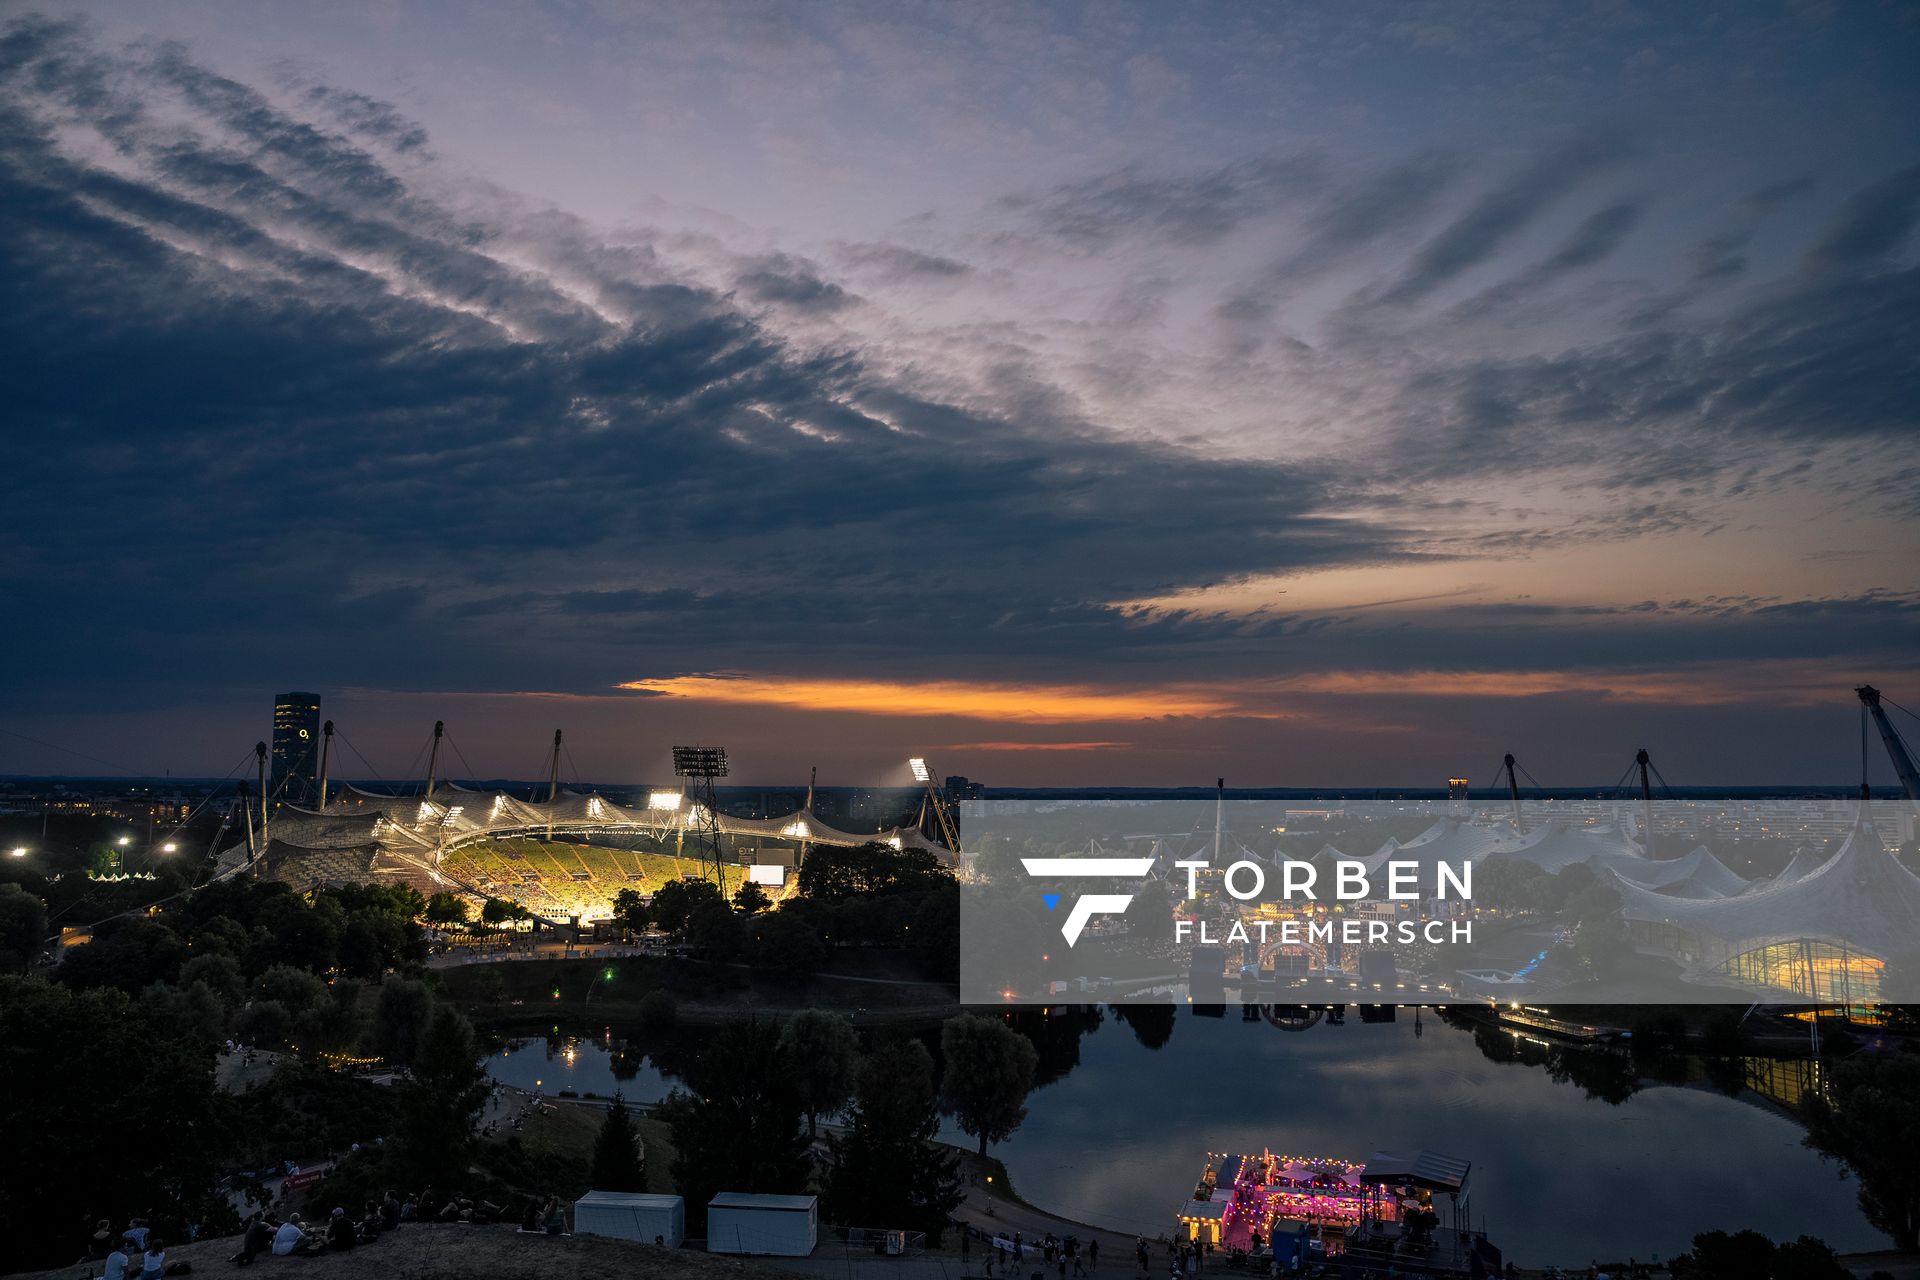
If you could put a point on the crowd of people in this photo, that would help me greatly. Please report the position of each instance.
(135, 1251)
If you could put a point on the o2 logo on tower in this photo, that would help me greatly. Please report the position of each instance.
(1087, 906)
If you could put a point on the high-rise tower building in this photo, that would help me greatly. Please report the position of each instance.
(296, 748)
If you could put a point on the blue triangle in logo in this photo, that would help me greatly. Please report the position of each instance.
(1051, 899)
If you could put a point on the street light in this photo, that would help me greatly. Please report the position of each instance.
(124, 841)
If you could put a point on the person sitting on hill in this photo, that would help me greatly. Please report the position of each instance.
(530, 1217)
(100, 1243)
(410, 1209)
(136, 1233)
(291, 1237)
(369, 1226)
(556, 1216)
(340, 1233)
(116, 1268)
(390, 1211)
(153, 1263)
(257, 1238)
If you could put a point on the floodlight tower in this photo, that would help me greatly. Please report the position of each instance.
(942, 811)
(700, 766)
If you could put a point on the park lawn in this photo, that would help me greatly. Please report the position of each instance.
(569, 1129)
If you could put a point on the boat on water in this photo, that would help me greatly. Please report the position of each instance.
(1411, 1213)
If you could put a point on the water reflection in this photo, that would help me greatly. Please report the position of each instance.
(1578, 1151)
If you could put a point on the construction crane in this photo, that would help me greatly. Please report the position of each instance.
(1896, 746)
(937, 800)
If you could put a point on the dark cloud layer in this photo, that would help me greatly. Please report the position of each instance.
(289, 401)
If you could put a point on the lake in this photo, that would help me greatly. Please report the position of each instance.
(1119, 1135)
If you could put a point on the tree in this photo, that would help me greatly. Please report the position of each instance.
(295, 989)
(1744, 1255)
(497, 913)
(23, 926)
(617, 1162)
(888, 1170)
(1872, 1123)
(446, 909)
(788, 945)
(835, 874)
(124, 1077)
(989, 1073)
(400, 1020)
(674, 903)
(751, 899)
(716, 931)
(442, 1098)
(740, 1127)
(630, 910)
(825, 1057)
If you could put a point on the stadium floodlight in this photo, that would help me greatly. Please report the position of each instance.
(169, 847)
(18, 851)
(700, 762)
(920, 772)
(664, 800)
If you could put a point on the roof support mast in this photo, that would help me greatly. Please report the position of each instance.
(924, 774)
(433, 757)
(1644, 763)
(553, 783)
(260, 757)
(1896, 749)
(1513, 791)
(326, 758)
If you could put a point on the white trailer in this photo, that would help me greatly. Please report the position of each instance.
(631, 1215)
(745, 1222)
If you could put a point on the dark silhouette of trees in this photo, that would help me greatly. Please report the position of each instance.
(617, 1162)
(989, 1072)
(887, 1171)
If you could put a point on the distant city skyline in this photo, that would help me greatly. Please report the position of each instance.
(1328, 395)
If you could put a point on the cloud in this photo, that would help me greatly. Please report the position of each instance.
(1874, 224)
(782, 279)
(901, 264)
(1502, 213)
(1192, 210)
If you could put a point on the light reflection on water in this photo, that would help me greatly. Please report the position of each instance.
(1119, 1139)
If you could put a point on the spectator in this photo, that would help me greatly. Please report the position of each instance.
(340, 1233)
(116, 1268)
(136, 1233)
(100, 1243)
(530, 1217)
(292, 1237)
(153, 1263)
(390, 1211)
(410, 1211)
(556, 1216)
(256, 1239)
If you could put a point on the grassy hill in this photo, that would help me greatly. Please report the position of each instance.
(433, 1252)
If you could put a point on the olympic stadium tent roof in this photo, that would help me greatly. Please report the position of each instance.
(1696, 875)
(1802, 864)
(1861, 899)
(1560, 845)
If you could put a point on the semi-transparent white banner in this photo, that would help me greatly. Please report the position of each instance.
(1439, 901)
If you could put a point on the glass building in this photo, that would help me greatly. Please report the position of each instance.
(296, 748)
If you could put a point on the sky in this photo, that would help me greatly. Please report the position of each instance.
(1321, 394)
